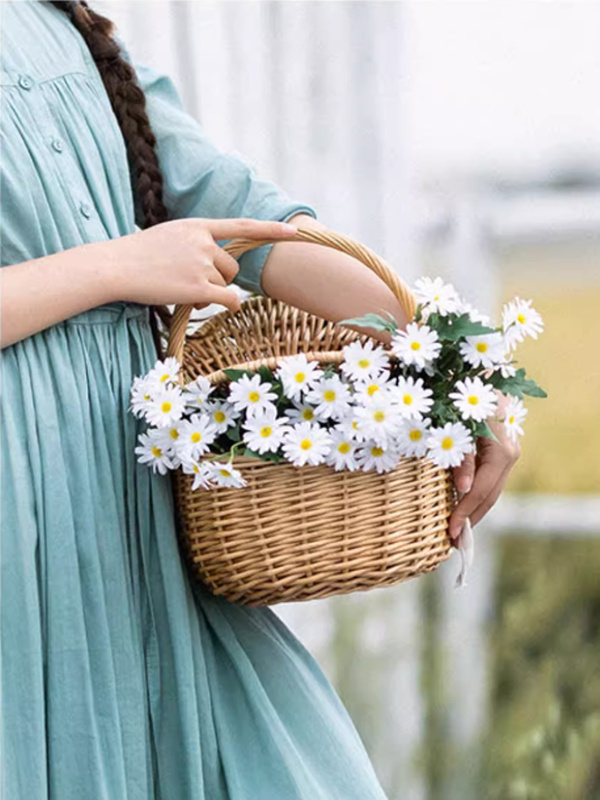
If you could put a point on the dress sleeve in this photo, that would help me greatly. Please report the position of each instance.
(202, 181)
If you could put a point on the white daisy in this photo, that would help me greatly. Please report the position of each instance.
(412, 396)
(514, 415)
(302, 412)
(412, 437)
(348, 425)
(418, 345)
(365, 390)
(448, 445)
(363, 361)
(140, 396)
(342, 454)
(196, 435)
(485, 350)
(150, 452)
(474, 399)
(297, 374)
(265, 431)
(331, 398)
(164, 373)
(505, 367)
(251, 395)
(373, 456)
(436, 296)
(201, 472)
(198, 391)
(474, 314)
(222, 414)
(225, 474)
(166, 438)
(379, 420)
(519, 320)
(306, 443)
(166, 407)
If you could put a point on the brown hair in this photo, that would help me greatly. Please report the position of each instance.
(129, 104)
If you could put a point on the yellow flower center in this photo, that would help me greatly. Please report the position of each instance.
(164, 377)
(511, 419)
(482, 347)
(415, 345)
(308, 414)
(196, 468)
(300, 376)
(415, 435)
(166, 407)
(379, 416)
(355, 425)
(521, 318)
(436, 298)
(254, 397)
(174, 433)
(156, 452)
(196, 437)
(473, 399)
(220, 416)
(407, 399)
(372, 389)
(329, 395)
(306, 444)
(147, 397)
(377, 451)
(266, 431)
(225, 473)
(364, 363)
(344, 447)
(447, 443)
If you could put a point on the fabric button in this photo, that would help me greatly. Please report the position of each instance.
(57, 145)
(86, 210)
(25, 82)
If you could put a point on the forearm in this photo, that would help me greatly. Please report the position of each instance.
(39, 293)
(325, 282)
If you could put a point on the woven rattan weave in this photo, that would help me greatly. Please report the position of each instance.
(300, 533)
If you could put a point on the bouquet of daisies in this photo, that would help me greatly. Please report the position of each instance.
(430, 393)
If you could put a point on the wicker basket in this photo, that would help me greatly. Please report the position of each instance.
(309, 532)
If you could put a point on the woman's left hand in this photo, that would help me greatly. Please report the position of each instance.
(481, 477)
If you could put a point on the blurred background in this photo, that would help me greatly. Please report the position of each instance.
(459, 139)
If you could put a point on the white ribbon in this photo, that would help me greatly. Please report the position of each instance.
(466, 548)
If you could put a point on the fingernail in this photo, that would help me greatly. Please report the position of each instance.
(455, 529)
(464, 483)
(287, 228)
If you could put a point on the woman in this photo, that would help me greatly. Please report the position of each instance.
(120, 678)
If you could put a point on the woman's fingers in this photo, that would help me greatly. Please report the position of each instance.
(484, 482)
(483, 508)
(465, 473)
(247, 228)
(226, 264)
(225, 297)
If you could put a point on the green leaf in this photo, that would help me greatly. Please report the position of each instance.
(451, 328)
(233, 433)
(375, 321)
(266, 374)
(236, 374)
(484, 430)
(518, 385)
(275, 457)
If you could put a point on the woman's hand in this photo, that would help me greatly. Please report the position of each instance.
(482, 476)
(180, 261)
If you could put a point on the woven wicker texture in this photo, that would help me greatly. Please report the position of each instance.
(309, 532)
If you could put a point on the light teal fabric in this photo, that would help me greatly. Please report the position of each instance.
(121, 679)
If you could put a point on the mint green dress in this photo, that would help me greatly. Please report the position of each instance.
(120, 678)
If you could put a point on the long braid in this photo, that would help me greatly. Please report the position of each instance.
(129, 104)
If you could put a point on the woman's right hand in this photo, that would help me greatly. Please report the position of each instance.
(180, 262)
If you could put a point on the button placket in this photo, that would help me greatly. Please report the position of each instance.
(85, 209)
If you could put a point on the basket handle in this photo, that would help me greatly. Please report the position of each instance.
(336, 241)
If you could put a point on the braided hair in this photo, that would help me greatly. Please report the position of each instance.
(129, 105)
